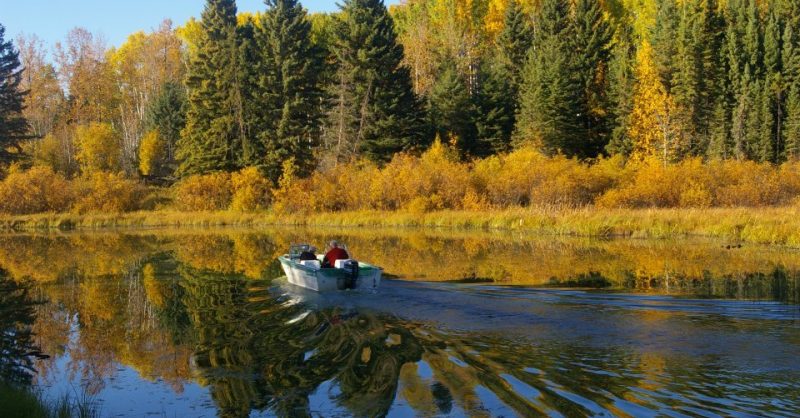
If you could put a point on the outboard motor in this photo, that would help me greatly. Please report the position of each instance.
(350, 274)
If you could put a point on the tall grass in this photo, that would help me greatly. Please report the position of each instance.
(779, 226)
(27, 403)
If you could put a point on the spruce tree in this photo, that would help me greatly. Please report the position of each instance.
(591, 52)
(663, 40)
(496, 110)
(620, 91)
(374, 111)
(212, 139)
(790, 59)
(287, 90)
(563, 103)
(451, 110)
(13, 126)
(770, 148)
(791, 131)
(550, 96)
(514, 42)
(166, 114)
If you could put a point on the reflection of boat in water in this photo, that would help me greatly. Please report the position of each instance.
(346, 274)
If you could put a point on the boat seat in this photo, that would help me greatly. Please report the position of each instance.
(314, 264)
(339, 264)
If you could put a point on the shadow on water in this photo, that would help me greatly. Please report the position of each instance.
(193, 324)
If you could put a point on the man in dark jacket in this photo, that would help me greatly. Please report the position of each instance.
(309, 254)
(335, 253)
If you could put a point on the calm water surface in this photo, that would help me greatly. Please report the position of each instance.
(473, 324)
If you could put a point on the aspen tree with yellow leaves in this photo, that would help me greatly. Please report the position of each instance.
(651, 127)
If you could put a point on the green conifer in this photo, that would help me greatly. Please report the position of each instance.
(451, 110)
(288, 92)
(374, 111)
(212, 139)
(13, 125)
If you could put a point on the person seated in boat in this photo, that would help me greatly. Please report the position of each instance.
(335, 253)
(309, 254)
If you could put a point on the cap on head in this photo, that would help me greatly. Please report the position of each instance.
(334, 244)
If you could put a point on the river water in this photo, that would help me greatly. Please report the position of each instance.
(201, 323)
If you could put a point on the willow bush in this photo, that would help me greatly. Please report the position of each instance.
(437, 180)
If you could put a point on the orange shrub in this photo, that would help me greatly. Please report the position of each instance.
(33, 191)
(525, 177)
(435, 180)
(251, 190)
(108, 193)
(693, 183)
(204, 192)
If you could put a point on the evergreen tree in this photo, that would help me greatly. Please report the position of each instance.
(287, 90)
(663, 40)
(791, 132)
(213, 137)
(496, 109)
(620, 91)
(166, 114)
(591, 52)
(550, 96)
(514, 42)
(451, 111)
(13, 126)
(374, 111)
(563, 103)
(790, 56)
(771, 146)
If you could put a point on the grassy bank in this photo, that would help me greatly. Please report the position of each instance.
(24, 403)
(779, 226)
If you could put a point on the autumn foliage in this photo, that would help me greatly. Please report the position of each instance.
(435, 180)
(41, 190)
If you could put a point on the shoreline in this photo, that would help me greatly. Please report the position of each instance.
(774, 226)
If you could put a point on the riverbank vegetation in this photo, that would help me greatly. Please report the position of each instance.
(430, 113)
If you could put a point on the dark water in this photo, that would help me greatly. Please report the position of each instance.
(193, 324)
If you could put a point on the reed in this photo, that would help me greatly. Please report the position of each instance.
(24, 402)
(777, 226)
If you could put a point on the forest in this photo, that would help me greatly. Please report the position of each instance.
(425, 105)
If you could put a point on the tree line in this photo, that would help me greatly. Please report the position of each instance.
(283, 89)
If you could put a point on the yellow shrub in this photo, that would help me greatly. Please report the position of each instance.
(250, 190)
(526, 177)
(108, 193)
(437, 176)
(98, 147)
(36, 190)
(152, 152)
(204, 192)
(650, 183)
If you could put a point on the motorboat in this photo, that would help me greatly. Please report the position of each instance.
(344, 275)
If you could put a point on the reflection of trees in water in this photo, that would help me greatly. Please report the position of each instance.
(162, 299)
(17, 350)
(258, 351)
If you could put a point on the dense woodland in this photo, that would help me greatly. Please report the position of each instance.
(282, 95)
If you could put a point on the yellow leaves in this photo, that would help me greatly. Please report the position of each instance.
(190, 33)
(36, 190)
(152, 152)
(695, 184)
(251, 191)
(495, 16)
(98, 147)
(651, 126)
(204, 192)
(105, 192)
